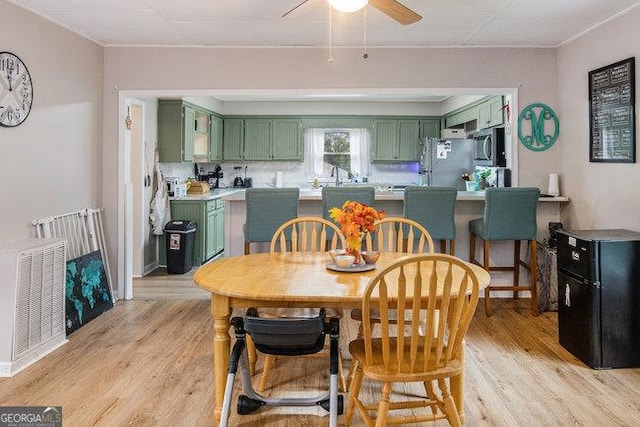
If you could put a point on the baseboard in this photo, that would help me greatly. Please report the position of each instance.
(150, 267)
(9, 369)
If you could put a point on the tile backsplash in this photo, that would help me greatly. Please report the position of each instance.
(293, 173)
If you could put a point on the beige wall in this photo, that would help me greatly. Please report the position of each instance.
(532, 71)
(52, 163)
(603, 195)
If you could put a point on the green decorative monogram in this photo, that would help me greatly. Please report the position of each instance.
(538, 115)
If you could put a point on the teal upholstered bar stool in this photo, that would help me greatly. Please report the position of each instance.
(509, 214)
(268, 209)
(336, 196)
(433, 208)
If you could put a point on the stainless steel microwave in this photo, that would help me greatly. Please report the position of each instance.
(489, 147)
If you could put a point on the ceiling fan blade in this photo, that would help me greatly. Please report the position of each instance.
(396, 10)
(295, 7)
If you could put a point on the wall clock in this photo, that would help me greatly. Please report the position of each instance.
(16, 90)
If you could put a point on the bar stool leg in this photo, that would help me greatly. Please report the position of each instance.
(533, 266)
(472, 248)
(516, 267)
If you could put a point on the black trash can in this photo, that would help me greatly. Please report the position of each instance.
(180, 235)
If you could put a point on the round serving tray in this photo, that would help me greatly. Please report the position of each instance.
(353, 269)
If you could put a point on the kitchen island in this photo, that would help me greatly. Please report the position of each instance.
(470, 205)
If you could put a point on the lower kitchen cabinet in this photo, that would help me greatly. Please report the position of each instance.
(209, 218)
(214, 242)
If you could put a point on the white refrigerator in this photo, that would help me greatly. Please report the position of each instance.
(443, 161)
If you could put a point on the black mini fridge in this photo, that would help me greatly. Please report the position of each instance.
(599, 296)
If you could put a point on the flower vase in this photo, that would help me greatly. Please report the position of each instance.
(354, 247)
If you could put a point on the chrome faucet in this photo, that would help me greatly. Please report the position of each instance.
(337, 172)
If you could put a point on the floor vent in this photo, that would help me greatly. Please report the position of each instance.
(32, 288)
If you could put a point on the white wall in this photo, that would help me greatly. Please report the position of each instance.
(603, 195)
(52, 163)
(532, 71)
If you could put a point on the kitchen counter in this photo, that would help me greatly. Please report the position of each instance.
(314, 195)
(467, 209)
(211, 195)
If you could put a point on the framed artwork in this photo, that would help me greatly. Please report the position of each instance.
(612, 124)
(87, 292)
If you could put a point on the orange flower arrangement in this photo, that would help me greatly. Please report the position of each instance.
(355, 219)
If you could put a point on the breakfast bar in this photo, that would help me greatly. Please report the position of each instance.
(470, 205)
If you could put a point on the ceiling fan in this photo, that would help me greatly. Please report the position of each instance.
(392, 8)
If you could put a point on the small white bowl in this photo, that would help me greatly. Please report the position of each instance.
(334, 252)
(344, 261)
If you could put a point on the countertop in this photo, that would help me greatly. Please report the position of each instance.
(237, 194)
(212, 195)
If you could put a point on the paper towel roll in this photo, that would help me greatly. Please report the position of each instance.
(279, 179)
(554, 187)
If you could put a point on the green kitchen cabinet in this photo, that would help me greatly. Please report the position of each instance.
(461, 117)
(257, 139)
(215, 144)
(490, 113)
(219, 226)
(429, 128)
(176, 128)
(233, 144)
(209, 219)
(286, 142)
(395, 140)
(409, 135)
(262, 139)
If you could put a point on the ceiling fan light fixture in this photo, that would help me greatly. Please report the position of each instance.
(348, 5)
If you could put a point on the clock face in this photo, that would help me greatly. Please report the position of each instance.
(16, 90)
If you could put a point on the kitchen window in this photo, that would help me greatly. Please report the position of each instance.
(348, 149)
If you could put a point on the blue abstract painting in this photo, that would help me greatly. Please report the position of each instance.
(87, 291)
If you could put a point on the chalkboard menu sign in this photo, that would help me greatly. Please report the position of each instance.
(612, 133)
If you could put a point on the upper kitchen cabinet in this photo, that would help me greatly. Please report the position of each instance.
(176, 126)
(233, 145)
(429, 128)
(286, 143)
(187, 133)
(460, 117)
(487, 113)
(395, 140)
(257, 139)
(215, 144)
(490, 113)
(263, 139)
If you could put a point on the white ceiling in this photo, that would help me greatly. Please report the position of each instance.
(229, 23)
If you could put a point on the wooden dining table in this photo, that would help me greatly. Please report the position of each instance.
(286, 280)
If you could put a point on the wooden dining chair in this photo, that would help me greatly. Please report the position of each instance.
(441, 289)
(398, 234)
(392, 234)
(303, 234)
(307, 234)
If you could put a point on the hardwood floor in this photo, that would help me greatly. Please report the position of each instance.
(160, 285)
(149, 363)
